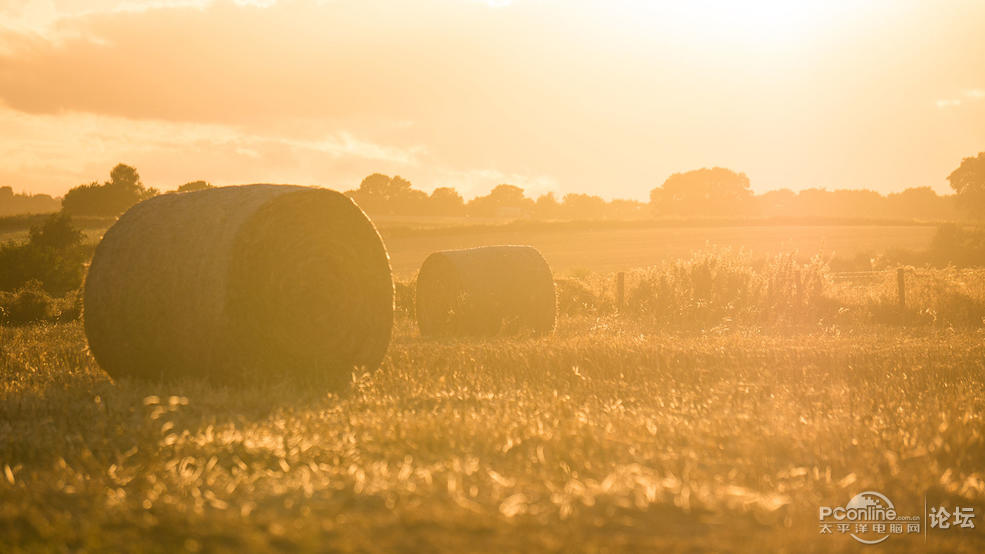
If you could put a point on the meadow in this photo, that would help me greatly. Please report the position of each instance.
(573, 248)
(606, 246)
(758, 391)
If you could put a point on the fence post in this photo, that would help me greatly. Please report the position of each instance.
(901, 286)
(620, 291)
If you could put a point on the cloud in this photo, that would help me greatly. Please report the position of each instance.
(230, 62)
(971, 95)
(464, 87)
(51, 153)
(452, 92)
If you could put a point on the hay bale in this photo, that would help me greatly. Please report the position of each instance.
(240, 282)
(490, 290)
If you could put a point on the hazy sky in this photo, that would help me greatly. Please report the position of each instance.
(608, 97)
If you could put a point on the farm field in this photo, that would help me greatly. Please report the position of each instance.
(607, 436)
(553, 277)
(718, 412)
(621, 249)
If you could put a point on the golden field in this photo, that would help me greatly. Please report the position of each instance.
(621, 432)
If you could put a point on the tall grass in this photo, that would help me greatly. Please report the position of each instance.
(717, 287)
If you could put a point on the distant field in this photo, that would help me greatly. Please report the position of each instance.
(620, 249)
(615, 246)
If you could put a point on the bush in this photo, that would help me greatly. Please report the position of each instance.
(30, 304)
(55, 255)
(575, 298)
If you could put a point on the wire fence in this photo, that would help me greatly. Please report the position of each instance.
(906, 286)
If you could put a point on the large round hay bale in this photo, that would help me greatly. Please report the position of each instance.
(255, 281)
(490, 290)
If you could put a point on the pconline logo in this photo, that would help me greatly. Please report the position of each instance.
(869, 516)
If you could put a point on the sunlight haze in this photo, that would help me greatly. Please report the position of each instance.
(607, 98)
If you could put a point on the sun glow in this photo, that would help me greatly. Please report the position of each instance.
(752, 22)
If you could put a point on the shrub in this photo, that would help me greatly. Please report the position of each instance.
(575, 298)
(30, 304)
(54, 255)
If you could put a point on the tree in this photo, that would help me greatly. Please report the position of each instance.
(194, 186)
(124, 176)
(12, 204)
(547, 206)
(403, 198)
(921, 203)
(583, 206)
(968, 181)
(503, 200)
(716, 191)
(382, 194)
(446, 201)
(124, 189)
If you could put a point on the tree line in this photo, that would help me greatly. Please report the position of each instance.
(702, 193)
(16, 204)
(706, 192)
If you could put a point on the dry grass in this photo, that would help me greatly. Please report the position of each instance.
(608, 436)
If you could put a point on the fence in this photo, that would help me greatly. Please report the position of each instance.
(899, 283)
(907, 283)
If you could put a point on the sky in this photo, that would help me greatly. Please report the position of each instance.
(607, 97)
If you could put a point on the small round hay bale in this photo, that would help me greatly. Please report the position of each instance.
(491, 290)
(231, 283)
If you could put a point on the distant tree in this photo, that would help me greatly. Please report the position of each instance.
(124, 176)
(382, 194)
(921, 203)
(583, 206)
(547, 206)
(194, 186)
(619, 208)
(405, 199)
(781, 202)
(376, 184)
(715, 191)
(14, 204)
(446, 201)
(502, 201)
(968, 181)
(124, 189)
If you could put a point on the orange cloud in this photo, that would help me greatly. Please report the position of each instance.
(602, 97)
